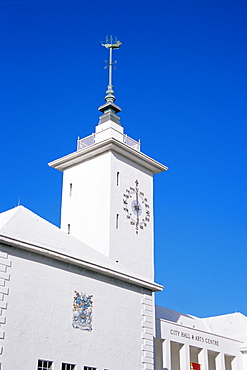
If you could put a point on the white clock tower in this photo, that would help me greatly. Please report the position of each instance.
(107, 196)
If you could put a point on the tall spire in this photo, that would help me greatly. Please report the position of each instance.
(109, 109)
(110, 45)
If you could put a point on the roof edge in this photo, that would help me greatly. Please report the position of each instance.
(79, 262)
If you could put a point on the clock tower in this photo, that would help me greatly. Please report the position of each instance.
(107, 195)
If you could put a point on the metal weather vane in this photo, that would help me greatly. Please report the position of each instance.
(110, 44)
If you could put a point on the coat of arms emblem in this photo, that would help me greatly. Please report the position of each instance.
(82, 311)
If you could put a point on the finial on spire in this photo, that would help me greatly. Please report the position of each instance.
(110, 109)
(110, 44)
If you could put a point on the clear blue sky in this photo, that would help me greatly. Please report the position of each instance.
(181, 83)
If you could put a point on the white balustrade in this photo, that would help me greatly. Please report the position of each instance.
(92, 139)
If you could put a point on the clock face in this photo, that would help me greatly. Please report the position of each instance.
(136, 207)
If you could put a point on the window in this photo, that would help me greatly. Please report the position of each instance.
(44, 365)
(70, 189)
(67, 366)
(68, 228)
(90, 368)
(117, 221)
(118, 178)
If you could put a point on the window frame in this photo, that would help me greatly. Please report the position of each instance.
(66, 366)
(44, 364)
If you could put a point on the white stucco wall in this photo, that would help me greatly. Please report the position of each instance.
(39, 317)
(87, 209)
(96, 200)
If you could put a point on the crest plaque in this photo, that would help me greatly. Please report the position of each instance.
(82, 311)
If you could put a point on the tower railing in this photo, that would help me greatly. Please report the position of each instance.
(92, 139)
(85, 142)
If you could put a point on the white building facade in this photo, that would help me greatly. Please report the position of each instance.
(188, 342)
(39, 288)
(82, 297)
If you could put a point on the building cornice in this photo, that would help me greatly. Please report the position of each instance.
(110, 144)
(80, 262)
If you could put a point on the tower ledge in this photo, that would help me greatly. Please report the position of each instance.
(110, 144)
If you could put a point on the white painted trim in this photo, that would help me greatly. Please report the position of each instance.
(108, 145)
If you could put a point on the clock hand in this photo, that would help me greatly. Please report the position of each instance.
(137, 204)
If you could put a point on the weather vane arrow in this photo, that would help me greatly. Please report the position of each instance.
(110, 44)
